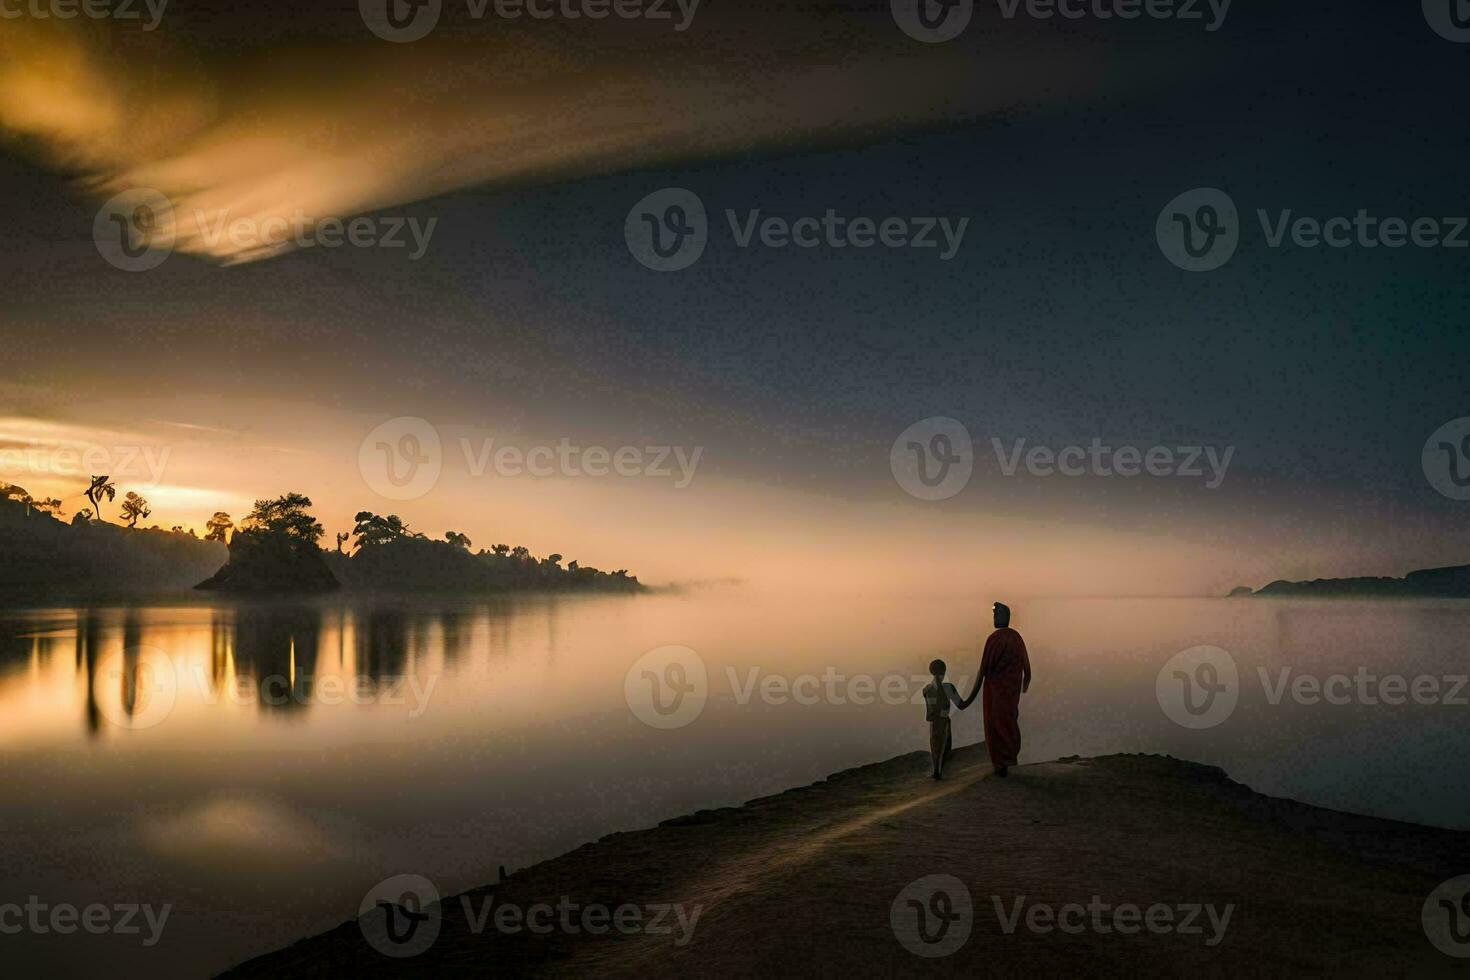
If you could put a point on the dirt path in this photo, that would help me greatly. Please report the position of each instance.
(807, 882)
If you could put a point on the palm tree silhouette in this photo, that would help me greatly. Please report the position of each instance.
(102, 486)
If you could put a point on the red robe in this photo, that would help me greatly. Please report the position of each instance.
(1004, 667)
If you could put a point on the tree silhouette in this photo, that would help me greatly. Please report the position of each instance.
(134, 507)
(500, 550)
(342, 538)
(102, 486)
(372, 530)
(458, 540)
(217, 527)
(285, 515)
(9, 491)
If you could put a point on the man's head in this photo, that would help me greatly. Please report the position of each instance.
(1002, 615)
(937, 668)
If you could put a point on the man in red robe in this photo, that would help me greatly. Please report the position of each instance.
(1005, 673)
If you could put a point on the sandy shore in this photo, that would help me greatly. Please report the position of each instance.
(1153, 865)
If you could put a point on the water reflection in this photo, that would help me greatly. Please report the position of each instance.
(279, 652)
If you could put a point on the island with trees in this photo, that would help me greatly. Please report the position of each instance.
(275, 549)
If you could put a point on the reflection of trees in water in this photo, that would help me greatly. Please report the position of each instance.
(264, 639)
(457, 627)
(221, 638)
(89, 651)
(382, 643)
(130, 678)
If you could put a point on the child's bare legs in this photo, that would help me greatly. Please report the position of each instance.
(939, 745)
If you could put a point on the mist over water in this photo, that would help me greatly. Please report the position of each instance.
(260, 766)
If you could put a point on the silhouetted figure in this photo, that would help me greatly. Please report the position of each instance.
(939, 694)
(1005, 674)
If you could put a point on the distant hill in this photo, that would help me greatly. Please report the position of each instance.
(40, 553)
(1451, 582)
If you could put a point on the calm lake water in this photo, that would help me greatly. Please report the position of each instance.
(258, 767)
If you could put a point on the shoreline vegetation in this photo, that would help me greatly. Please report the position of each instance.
(1289, 887)
(274, 551)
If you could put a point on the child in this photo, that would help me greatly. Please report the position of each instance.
(938, 695)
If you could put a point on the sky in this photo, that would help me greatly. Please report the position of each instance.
(520, 153)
